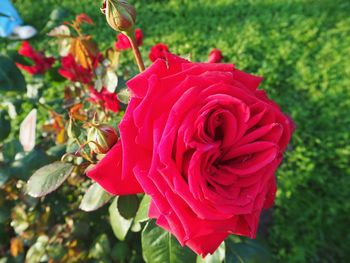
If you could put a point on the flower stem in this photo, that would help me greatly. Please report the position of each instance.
(136, 50)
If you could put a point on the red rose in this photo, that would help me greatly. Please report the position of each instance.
(73, 71)
(158, 51)
(123, 42)
(215, 56)
(204, 143)
(108, 100)
(41, 63)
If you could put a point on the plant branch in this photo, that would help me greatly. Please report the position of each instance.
(136, 50)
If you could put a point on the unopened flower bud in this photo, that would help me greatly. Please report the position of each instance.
(101, 138)
(120, 15)
(72, 130)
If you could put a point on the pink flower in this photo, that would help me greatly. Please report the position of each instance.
(215, 56)
(41, 63)
(158, 51)
(205, 144)
(123, 42)
(73, 71)
(106, 99)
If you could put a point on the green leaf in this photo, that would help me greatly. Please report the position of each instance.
(57, 151)
(159, 245)
(56, 252)
(110, 81)
(58, 14)
(4, 176)
(120, 252)
(217, 257)
(5, 125)
(38, 250)
(20, 222)
(26, 163)
(142, 212)
(94, 198)
(11, 79)
(48, 178)
(124, 96)
(5, 213)
(249, 251)
(101, 247)
(119, 224)
(128, 205)
(10, 150)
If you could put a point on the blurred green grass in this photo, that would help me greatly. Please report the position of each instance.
(302, 48)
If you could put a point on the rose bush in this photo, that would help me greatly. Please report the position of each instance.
(41, 63)
(204, 143)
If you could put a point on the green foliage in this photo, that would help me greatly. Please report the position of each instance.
(94, 198)
(11, 79)
(5, 125)
(249, 251)
(128, 206)
(142, 212)
(120, 225)
(160, 246)
(48, 178)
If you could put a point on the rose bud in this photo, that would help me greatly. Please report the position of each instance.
(72, 130)
(215, 56)
(120, 15)
(101, 138)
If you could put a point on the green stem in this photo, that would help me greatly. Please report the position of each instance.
(136, 50)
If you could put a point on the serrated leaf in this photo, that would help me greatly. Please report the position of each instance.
(128, 205)
(119, 224)
(249, 251)
(48, 178)
(83, 49)
(159, 245)
(142, 212)
(94, 198)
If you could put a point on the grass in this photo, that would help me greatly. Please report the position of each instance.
(302, 48)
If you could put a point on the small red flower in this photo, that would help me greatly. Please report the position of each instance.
(73, 71)
(108, 100)
(158, 51)
(215, 56)
(41, 63)
(123, 42)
